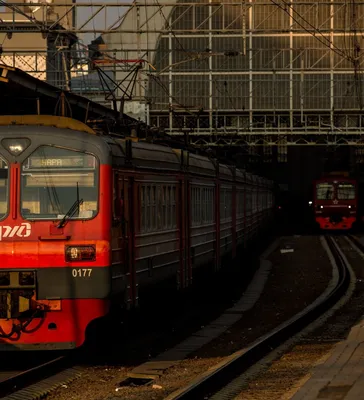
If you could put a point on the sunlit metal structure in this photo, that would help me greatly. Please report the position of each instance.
(32, 39)
(262, 72)
(257, 72)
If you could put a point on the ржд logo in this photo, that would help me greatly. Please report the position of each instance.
(22, 230)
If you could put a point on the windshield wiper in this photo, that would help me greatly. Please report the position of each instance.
(70, 213)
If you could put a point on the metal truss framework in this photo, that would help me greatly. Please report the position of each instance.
(279, 139)
(269, 129)
(110, 16)
(288, 59)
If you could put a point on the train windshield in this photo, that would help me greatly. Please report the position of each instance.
(345, 191)
(324, 191)
(53, 179)
(4, 177)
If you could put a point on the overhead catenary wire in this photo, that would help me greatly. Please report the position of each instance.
(325, 41)
(353, 58)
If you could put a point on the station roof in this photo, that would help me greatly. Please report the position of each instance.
(23, 94)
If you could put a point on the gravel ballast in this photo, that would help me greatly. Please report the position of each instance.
(297, 278)
(283, 378)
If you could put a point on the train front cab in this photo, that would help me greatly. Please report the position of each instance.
(54, 236)
(335, 203)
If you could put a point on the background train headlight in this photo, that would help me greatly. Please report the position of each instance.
(80, 253)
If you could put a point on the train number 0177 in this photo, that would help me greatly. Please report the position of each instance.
(81, 272)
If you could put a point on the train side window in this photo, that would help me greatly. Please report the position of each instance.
(169, 208)
(143, 209)
(209, 206)
(202, 206)
(222, 204)
(158, 207)
(173, 205)
(195, 204)
(148, 205)
(240, 201)
(248, 201)
(145, 226)
(153, 214)
(117, 198)
(225, 204)
(164, 206)
(228, 206)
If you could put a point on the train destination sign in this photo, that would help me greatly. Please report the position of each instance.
(73, 162)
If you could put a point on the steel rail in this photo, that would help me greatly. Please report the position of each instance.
(356, 242)
(222, 375)
(21, 380)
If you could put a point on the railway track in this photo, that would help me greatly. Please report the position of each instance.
(20, 380)
(219, 383)
(39, 380)
(35, 381)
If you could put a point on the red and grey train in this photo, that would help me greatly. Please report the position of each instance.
(335, 202)
(89, 220)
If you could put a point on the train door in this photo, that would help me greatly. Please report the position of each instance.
(233, 217)
(125, 205)
(217, 222)
(184, 215)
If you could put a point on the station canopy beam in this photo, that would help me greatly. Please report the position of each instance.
(22, 94)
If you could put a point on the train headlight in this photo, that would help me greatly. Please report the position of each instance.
(349, 206)
(15, 146)
(321, 206)
(80, 253)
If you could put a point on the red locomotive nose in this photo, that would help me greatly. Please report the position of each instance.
(84, 220)
(335, 201)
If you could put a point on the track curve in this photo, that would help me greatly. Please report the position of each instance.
(205, 386)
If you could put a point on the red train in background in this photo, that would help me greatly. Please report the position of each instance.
(335, 201)
(89, 221)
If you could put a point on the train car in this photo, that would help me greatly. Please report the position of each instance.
(335, 202)
(88, 221)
